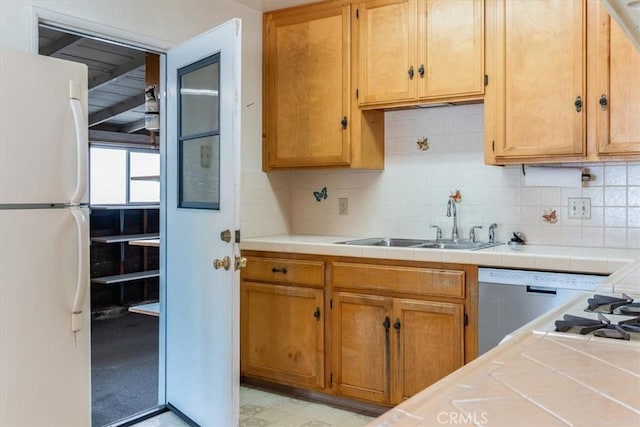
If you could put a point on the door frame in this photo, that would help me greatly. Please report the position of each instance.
(40, 15)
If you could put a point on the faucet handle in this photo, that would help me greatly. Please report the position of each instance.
(438, 231)
(472, 232)
(492, 232)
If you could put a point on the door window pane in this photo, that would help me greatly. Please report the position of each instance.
(108, 176)
(200, 183)
(199, 96)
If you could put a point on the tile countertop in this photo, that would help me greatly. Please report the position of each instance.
(558, 258)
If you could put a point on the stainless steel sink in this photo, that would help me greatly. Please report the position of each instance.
(386, 241)
(420, 244)
(460, 244)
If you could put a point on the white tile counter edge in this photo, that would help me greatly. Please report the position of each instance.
(558, 258)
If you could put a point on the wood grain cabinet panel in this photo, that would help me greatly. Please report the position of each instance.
(536, 69)
(282, 271)
(617, 82)
(310, 117)
(361, 346)
(429, 344)
(282, 334)
(413, 51)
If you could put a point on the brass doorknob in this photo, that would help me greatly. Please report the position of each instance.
(241, 262)
(220, 263)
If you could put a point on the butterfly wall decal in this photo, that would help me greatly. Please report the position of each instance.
(319, 195)
(550, 217)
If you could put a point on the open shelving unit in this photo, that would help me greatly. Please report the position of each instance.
(122, 274)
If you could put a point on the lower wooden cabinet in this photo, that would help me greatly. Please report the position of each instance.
(375, 331)
(385, 350)
(282, 334)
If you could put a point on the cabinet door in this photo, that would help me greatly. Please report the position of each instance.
(536, 71)
(282, 334)
(450, 48)
(428, 344)
(618, 80)
(386, 51)
(306, 86)
(361, 346)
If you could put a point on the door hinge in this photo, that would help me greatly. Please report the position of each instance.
(486, 80)
(237, 236)
(357, 13)
(357, 93)
(493, 146)
(331, 379)
(331, 304)
(466, 319)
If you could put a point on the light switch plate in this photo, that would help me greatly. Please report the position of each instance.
(343, 206)
(579, 208)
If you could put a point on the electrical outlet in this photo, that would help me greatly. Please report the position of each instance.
(579, 208)
(343, 206)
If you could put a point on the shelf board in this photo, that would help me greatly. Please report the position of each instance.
(125, 237)
(127, 277)
(146, 178)
(116, 207)
(150, 309)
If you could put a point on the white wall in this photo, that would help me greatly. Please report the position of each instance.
(412, 192)
(171, 22)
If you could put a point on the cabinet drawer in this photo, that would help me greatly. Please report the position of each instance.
(408, 280)
(284, 270)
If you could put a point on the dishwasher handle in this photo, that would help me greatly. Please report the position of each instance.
(541, 290)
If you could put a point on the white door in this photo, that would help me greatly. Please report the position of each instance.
(202, 194)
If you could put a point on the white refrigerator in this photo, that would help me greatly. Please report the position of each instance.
(44, 242)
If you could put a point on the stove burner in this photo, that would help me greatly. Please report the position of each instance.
(607, 304)
(632, 309)
(602, 327)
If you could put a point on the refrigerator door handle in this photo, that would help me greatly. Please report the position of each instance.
(81, 144)
(82, 284)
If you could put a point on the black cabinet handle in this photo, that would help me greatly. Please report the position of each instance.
(386, 323)
(344, 122)
(421, 70)
(316, 314)
(578, 104)
(410, 72)
(603, 102)
(397, 325)
(282, 270)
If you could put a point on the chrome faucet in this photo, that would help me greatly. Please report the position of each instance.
(472, 233)
(438, 231)
(451, 206)
(492, 232)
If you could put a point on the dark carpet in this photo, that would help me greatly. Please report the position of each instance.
(124, 367)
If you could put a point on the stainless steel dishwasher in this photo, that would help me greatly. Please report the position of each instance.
(508, 299)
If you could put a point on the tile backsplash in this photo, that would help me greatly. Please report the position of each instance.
(412, 192)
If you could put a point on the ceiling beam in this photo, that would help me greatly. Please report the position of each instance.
(122, 69)
(107, 113)
(102, 136)
(132, 127)
(58, 44)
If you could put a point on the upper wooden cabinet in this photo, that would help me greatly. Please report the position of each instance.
(536, 71)
(310, 117)
(614, 108)
(549, 65)
(412, 51)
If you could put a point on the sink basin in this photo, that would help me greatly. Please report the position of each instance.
(460, 244)
(420, 244)
(386, 241)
